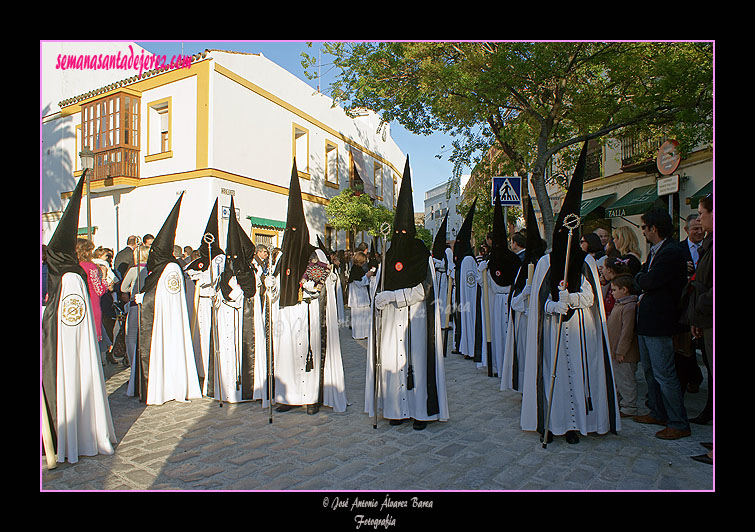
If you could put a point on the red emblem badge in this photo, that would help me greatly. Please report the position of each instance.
(399, 266)
(288, 271)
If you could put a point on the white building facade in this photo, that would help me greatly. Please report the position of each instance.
(220, 124)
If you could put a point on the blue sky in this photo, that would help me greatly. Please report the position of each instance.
(427, 170)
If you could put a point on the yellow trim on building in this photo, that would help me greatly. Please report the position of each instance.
(135, 182)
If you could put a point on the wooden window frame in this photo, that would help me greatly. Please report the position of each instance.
(303, 173)
(160, 107)
(331, 181)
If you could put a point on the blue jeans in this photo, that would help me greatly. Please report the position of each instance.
(665, 397)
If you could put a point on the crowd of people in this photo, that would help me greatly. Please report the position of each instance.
(571, 343)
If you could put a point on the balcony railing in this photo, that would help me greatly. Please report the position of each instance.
(637, 151)
(116, 162)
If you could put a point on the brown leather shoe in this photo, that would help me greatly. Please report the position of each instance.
(649, 420)
(672, 434)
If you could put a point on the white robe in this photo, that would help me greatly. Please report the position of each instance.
(516, 332)
(230, 333)
(342, 319)
(467, 288)
(84, 425)
(206, 282)
(359, 303)
(292, 339)
(172, 368)
(568, 411)
(395, 400)
(498, 305)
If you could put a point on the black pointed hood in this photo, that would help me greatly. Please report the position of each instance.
(161, 250)
(238, 258)
(463, 244)
(503, 263)
(205, 255)
(296, 249)
(571, 205)
(439, 244)
(406, 258)
(61, 250)
(328, 252)
(535, 246)
(61, 259)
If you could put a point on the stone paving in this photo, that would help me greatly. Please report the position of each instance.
(201, 446)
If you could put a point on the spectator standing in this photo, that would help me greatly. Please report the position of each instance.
(95, 281)
(661, 280)
(124, 259)
(628, 247)
(622, 338)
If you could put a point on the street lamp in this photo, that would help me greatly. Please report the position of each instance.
(87, 163)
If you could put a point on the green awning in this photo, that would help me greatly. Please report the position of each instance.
(266, 222)
(694, 199)
(589, 205)
(636, 201)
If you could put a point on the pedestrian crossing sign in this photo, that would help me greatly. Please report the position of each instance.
(509, 189)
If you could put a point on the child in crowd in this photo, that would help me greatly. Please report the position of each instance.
(623, 341)
(611, 268)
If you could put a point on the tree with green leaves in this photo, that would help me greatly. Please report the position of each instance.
(534, 102)
(353, 213)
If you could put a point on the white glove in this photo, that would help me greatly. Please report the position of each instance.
(556, 307)
(138, 298)
(482, 266)
(527, 290)
(383, 299)
(269, 281)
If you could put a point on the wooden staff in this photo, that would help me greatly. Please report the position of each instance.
(269, 345)
(377, 328)
(49, 446)
(209, 238)
(571, 222)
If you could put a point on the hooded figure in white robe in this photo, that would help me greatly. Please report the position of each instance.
(584, 396)
(411, 378)
(519, 297)
(165, 368)
(73, 383)
(497, 273)
(205, 272)
(465, 269)
(300, 275)
(444, 270)
(240, 371)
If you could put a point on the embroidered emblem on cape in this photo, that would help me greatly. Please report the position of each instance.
(73, 310)
(173, 283)
(471, 279)
(399, 266)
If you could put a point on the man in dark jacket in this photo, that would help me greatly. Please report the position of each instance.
(661, 280)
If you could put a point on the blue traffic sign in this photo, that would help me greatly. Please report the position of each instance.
(509, 188)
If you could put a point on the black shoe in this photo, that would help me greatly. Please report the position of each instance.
(704, 458)
(571, 436)
(702, 419)
(419, 425)
(313, 409)
(707, 444)
(395, 422)
(284, 408)
(550, 437)
(111, 358)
